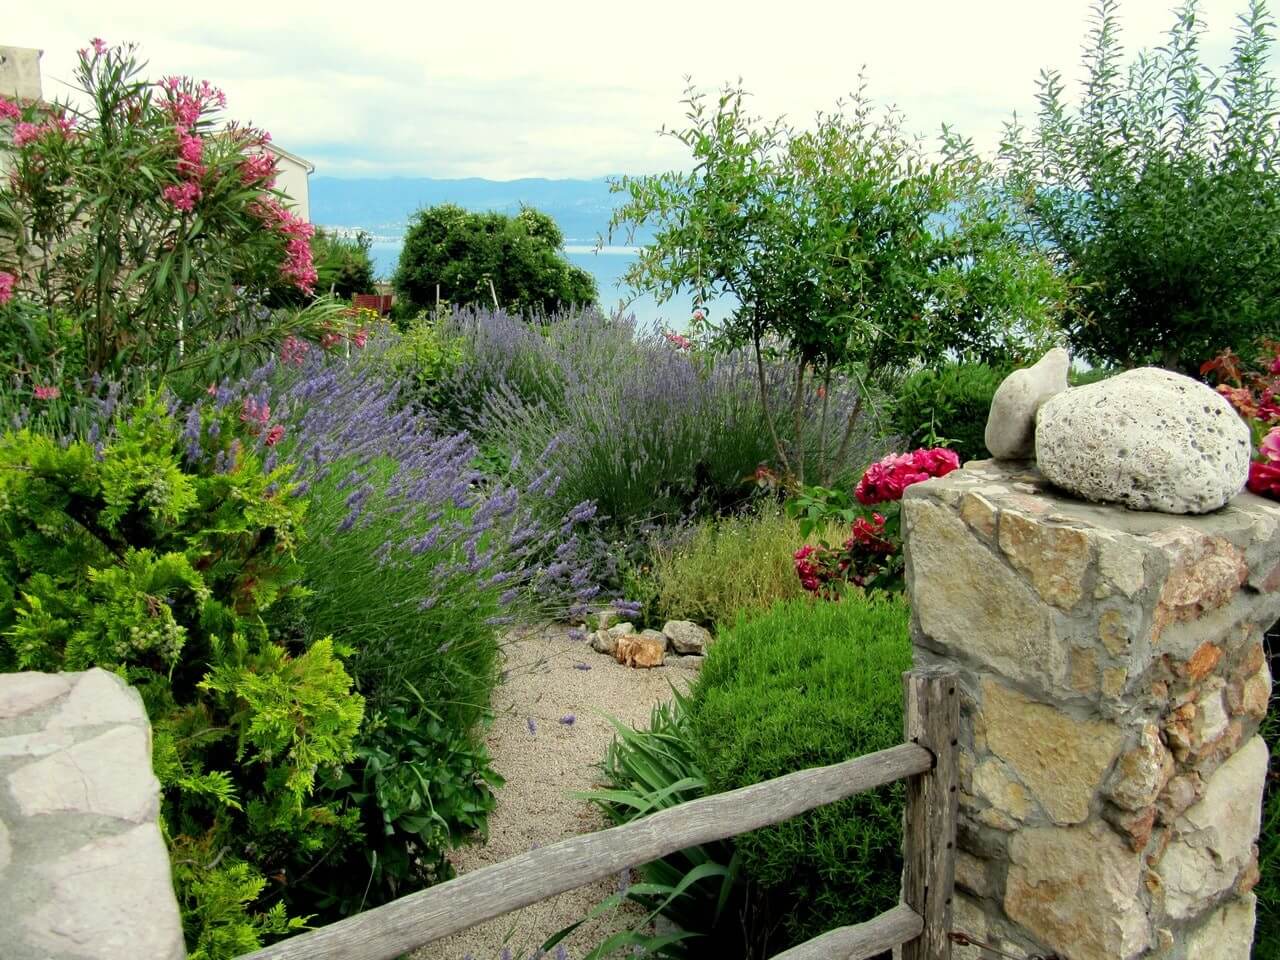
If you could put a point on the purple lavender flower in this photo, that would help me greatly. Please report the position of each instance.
(568, 720)
(533, 727)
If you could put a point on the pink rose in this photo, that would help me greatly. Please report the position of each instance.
(1270, 446)
(1264, 478)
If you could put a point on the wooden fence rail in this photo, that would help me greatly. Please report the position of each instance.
(927, 762)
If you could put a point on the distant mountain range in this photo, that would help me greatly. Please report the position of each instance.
(383, 207)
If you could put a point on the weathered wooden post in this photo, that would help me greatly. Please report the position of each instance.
(932, 720)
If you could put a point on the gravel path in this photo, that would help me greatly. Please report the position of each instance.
(544, 762)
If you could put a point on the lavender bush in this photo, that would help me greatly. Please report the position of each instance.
(636, 421)
(414, 558)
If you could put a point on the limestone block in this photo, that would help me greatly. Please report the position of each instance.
(1227, 934)
(1076, 890)
(24, 692)
(641, 650)
(1053, 558)
(1205, 572)
(1214, 838)
(686, 636)
(1011, 423)
(995, 783)
(1148, 439)
(110, 900)
(968, 600)
(1142, 772)
(108, 775)
(1060, 759)
(98, 697)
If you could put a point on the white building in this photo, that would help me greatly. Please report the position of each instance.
(292, 179)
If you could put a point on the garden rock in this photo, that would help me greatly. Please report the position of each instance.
(641, 650)
(686, 636)
(1149, 439)
(606, 641)
(1011, 425)
(691, 662)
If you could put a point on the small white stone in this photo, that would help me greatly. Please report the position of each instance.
(1148, 439)
(108, 775)
(24, 692)
(99, 697)
(1011, 424)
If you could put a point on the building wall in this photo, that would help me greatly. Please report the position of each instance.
(292, 179)
(20, 73)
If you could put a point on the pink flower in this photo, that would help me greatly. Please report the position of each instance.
(258, 168)
(679, 341)
(889, 477)
(25, 133)
(190, 155)
(330, 340)
(360, 338)
(9, 110)
(1264, 478)
(1275, 364)
(254, 413)
(99, 46)
(699, 314)
(47, 393)
(274, 435)
(1270, 446)
(213, 390)
(183, 196)
(293, 350)
(7, 282)
(937, 462)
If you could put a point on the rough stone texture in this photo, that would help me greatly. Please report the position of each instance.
(1213, 840)
(1059, 758)
(1112, 679)
(1011, 424)
(641, 650)
(83, 867)
(1078, 889)
(686, 636)
(1146, 438)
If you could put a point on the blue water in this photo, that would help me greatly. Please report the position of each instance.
(607, 267)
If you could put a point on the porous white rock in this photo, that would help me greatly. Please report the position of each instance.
(1147, 438)
(1011, 424)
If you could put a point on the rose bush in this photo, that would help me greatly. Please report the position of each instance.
(871, 556)
(1253, 388)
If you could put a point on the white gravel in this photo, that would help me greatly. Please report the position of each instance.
(543, 769)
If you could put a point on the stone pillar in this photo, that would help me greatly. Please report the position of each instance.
(1113, 681)
(83, 867)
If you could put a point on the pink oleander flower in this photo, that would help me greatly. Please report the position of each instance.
(360, 338)
(190, 155)
(274, 435)
(254, 413)
(293, 350)
(258, 168)
(330, 340)
(183, 196)
(699, 314)
(9, 110)
(7, 282)
(99, 46)
(25, 133)
(47, 393)
(679, 341)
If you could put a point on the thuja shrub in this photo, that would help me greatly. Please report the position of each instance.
(141, 229)
(803, 685)
(947, 405)
(646, 427)
(155, 551)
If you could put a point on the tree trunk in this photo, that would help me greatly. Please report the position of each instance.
(764, 401)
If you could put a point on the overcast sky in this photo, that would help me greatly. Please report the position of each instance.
(550, 88)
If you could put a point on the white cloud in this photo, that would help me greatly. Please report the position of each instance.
(566, 88)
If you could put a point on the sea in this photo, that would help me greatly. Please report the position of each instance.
(607, 265)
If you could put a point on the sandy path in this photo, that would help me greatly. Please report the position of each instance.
(543, 769)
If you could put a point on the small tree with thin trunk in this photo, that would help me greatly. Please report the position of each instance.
(850, 252)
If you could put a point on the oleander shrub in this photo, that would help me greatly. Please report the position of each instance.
(156, 551)
(947, 406)
(802, 685)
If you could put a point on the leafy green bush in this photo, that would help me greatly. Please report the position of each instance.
(947, 406)
(156, 556)
(466, 258)
(723, 568)
(1159, 195)
(803, 685)
(425, 355)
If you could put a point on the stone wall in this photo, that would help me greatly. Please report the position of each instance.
(1113, 680)
(83, 867)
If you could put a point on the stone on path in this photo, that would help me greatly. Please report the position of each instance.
(641, 650)
(686, 636)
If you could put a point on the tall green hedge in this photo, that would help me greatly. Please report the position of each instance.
(950, 403)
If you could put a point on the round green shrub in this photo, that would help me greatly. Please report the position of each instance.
(805, 685)
(950, 403)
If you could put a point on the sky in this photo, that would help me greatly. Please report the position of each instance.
(560, 88)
